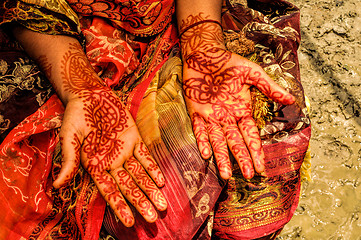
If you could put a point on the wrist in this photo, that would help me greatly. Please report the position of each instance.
(195, 24)
(200, 35)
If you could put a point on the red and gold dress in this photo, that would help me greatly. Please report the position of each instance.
(133, 46)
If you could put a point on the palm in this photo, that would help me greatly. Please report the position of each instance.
(99, 131)
(216, 87)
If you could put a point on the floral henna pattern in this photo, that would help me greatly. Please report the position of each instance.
(199, 60)
(200, 36)
(216, 85)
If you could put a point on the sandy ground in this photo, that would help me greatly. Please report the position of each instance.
(330, 60)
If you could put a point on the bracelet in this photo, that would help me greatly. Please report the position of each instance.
(198, 23)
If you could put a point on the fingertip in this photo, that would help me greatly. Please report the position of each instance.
(206, 153)
(129, 223)
(60, 181)
(226, 174)
(248, 175)
(161, 203)
(152, 219)
(160, 181)
(56, 184)
(289, 99)
(66, 174)
(259, 164)
(259, 167)
(163, 207)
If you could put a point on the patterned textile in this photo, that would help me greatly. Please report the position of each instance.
(192, 185)
(146, 74)
(141, 18)
(249, 209)
(56, 6)
(38, 19)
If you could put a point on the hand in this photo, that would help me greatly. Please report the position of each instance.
(97, 129)
(217, 92)
(99, 132)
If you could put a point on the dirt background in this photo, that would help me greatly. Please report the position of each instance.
(330, 60)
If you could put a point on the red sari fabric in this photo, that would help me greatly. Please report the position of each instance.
(129, 61)
(141, 18)
(253, 208)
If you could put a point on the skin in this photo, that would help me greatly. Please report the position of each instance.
(97, 130)
(216, 86)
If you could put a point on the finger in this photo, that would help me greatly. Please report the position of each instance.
(239, 150)
(201, 134)
(220, 150)
(70, 147)
(143, 180)
(250, 134)
(134, 195)
(108, 188)
(259, 78)
(142, 154)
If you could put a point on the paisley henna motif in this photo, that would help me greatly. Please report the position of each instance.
(107, 117)
(77, 74)
(103, 151)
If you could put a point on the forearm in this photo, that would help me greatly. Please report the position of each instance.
(199, 24)
(209, 8)
(61, 58)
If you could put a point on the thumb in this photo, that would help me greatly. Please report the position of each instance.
(70, 147)
(260, 79)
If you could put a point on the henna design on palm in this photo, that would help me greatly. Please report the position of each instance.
(97, 124)
(216, 86)
(106, 115)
